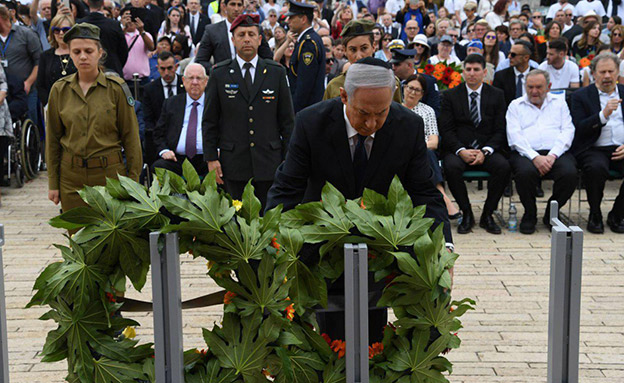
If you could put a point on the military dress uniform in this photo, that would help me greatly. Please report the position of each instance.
(306, 74)
(86, 134)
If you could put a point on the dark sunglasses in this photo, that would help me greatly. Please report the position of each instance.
(490, 37)
(537, 17)
(617, 34)
(514, 54)
(57, 30)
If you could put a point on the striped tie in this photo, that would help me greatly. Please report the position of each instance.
(474, 109)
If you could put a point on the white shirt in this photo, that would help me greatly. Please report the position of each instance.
(181, 148)
(561, 78)
(478, 100)
(394, 6)
(353, 139)
(517, 73)
(557, 6)
(303, 33)
(232, 47)
(174, 86)
(530, 128)
(254, 64)
(613, 132)
(584, 6)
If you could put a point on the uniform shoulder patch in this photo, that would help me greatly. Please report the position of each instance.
(124, 86)
(308, 57)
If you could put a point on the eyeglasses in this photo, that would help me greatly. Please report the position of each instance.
(411, 89)
(454, 36)
(568, 14)
(536, 17)
(57, 30)
(617, 35)
(411, 29)
(490, 37)
(377, 33)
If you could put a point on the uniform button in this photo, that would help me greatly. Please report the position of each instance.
(252, 144)
(251, 120)
(251, 132)
(250, 107)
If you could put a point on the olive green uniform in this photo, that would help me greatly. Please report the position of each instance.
(333, 88)
(85, 136)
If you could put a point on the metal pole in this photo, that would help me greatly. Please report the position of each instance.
(4, 349)
(168, 348)
(356, 312)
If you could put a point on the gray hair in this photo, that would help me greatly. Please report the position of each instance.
(538, 72)
(195, 65)
(368, 76)
(605, 55)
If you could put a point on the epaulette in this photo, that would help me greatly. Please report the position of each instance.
(222, 63)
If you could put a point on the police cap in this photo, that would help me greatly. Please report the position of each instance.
(82, 31)
(400, 55)
(358, 28)
(299, 8)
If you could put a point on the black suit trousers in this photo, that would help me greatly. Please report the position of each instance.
(201, 166)
(527, 177)
(595, 163)
(495, 164)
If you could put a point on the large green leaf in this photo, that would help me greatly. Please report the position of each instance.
(303, 367)
(416, 357)
(110, 371)
(206, 214)
(145, 209)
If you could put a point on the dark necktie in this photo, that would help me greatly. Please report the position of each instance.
(247, 67)
(519, 85)
(191, 133)
(169, 90)
(360, 160)
(193, 25)
(474, 109)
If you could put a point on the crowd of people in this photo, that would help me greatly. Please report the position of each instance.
(223, 83)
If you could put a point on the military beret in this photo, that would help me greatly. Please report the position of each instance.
(245, 21)
(299, 8)
(82, 31)
(358, 28)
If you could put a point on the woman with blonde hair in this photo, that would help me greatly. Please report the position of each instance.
(343, 15)
(617, 39)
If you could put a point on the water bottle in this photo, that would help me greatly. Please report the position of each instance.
(513, 218)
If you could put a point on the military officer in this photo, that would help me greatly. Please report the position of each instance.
(357, 37)
(307, 64)
(91, 120)
(249, 117)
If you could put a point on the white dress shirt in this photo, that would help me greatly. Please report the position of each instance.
(613, 132)
(517, 73)
(181, 148)
(174, 86)
(353, 139)
(478, 99)
(232, 47)
(530, 128)
(254, 65)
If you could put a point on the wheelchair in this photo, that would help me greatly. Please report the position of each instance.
(23, 157)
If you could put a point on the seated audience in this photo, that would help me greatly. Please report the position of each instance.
(563, 73)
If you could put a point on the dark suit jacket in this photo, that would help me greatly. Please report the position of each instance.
(506, 81)
(250, 127)
(584, 110)
(201, 27)
(153, 98)
(215, 45)
(457, 129)
(112, 39)
(394, 33)
(319, 153)
(169, 126)
(307, 70)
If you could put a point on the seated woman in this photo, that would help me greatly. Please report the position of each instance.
(414, 89)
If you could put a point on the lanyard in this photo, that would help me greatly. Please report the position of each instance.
(5, 46)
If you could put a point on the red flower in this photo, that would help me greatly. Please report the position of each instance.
(327, 339)
(375, 349)
(339, 346)
(448, 71)
(429, 68)
(591, 57)
(290, 311)
(227, 299)
(111, 298)
(446, 80)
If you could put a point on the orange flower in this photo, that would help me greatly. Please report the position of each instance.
(584, 62)
(339, 346)
(439, 67)
(540, 39)
(421, 70)
(456, 76)
(454, 84)
(375, 349)
(437, 75)
(327, 339)
(362, 203)
(274, 243)
(227, 299)
(290, 310)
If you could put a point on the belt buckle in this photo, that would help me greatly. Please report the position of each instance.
(85, 163)
(104, 162)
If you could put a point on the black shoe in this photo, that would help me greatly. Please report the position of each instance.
(539, 192)
(487, 222)
(616, 224)
(594, 223)
(467, 223)
(527, 225)
(508, 191)
(455, 216)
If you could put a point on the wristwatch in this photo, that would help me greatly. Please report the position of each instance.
(485, 152)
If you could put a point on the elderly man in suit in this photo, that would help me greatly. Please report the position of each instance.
(472, 126)
(599, 139)
(178, 134)
(360, 140)
(216, 43)
(250, 119)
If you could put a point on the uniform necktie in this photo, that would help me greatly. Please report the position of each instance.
(519, 85)
(191, 133)
(169, 90)
(474, 109)
(360, 160)
(248, 82)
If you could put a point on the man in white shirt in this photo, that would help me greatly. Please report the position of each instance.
(394, 6)
(540, 132)
(584, 6)
(562, 4)
(563, 73)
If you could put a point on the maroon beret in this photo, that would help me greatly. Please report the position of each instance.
(245, 21)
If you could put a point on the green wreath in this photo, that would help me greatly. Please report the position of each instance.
(269, 330)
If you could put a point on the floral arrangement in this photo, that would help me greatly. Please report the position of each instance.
(540, 38)
(447, 76)
(269, 330)
(586, 60)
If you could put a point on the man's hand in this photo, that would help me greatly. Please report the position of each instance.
(140, 25)
(212, 165)
(27, 86)
(64, 10)
(125, 19)
(54, 196)
(468, 155)
(618, 155)
(611, 106)
(543, 164)
(479, 158)
(170, 156)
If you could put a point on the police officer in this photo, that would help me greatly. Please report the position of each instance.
(307, 64)
(91, 120)
(249, 116)
(357, 37)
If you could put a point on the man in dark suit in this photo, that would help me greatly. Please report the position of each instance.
(361, 140)
(154, 95)
(599, 139)
(196, 20)
(178, 134)
(216, 43)
(307, 64)
(250, 118)
(111, 36)
(386, 23)
(512, 80)
(472, 129)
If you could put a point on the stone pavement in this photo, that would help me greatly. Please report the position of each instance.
(504, 340)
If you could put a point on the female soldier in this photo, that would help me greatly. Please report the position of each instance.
(91, 120)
